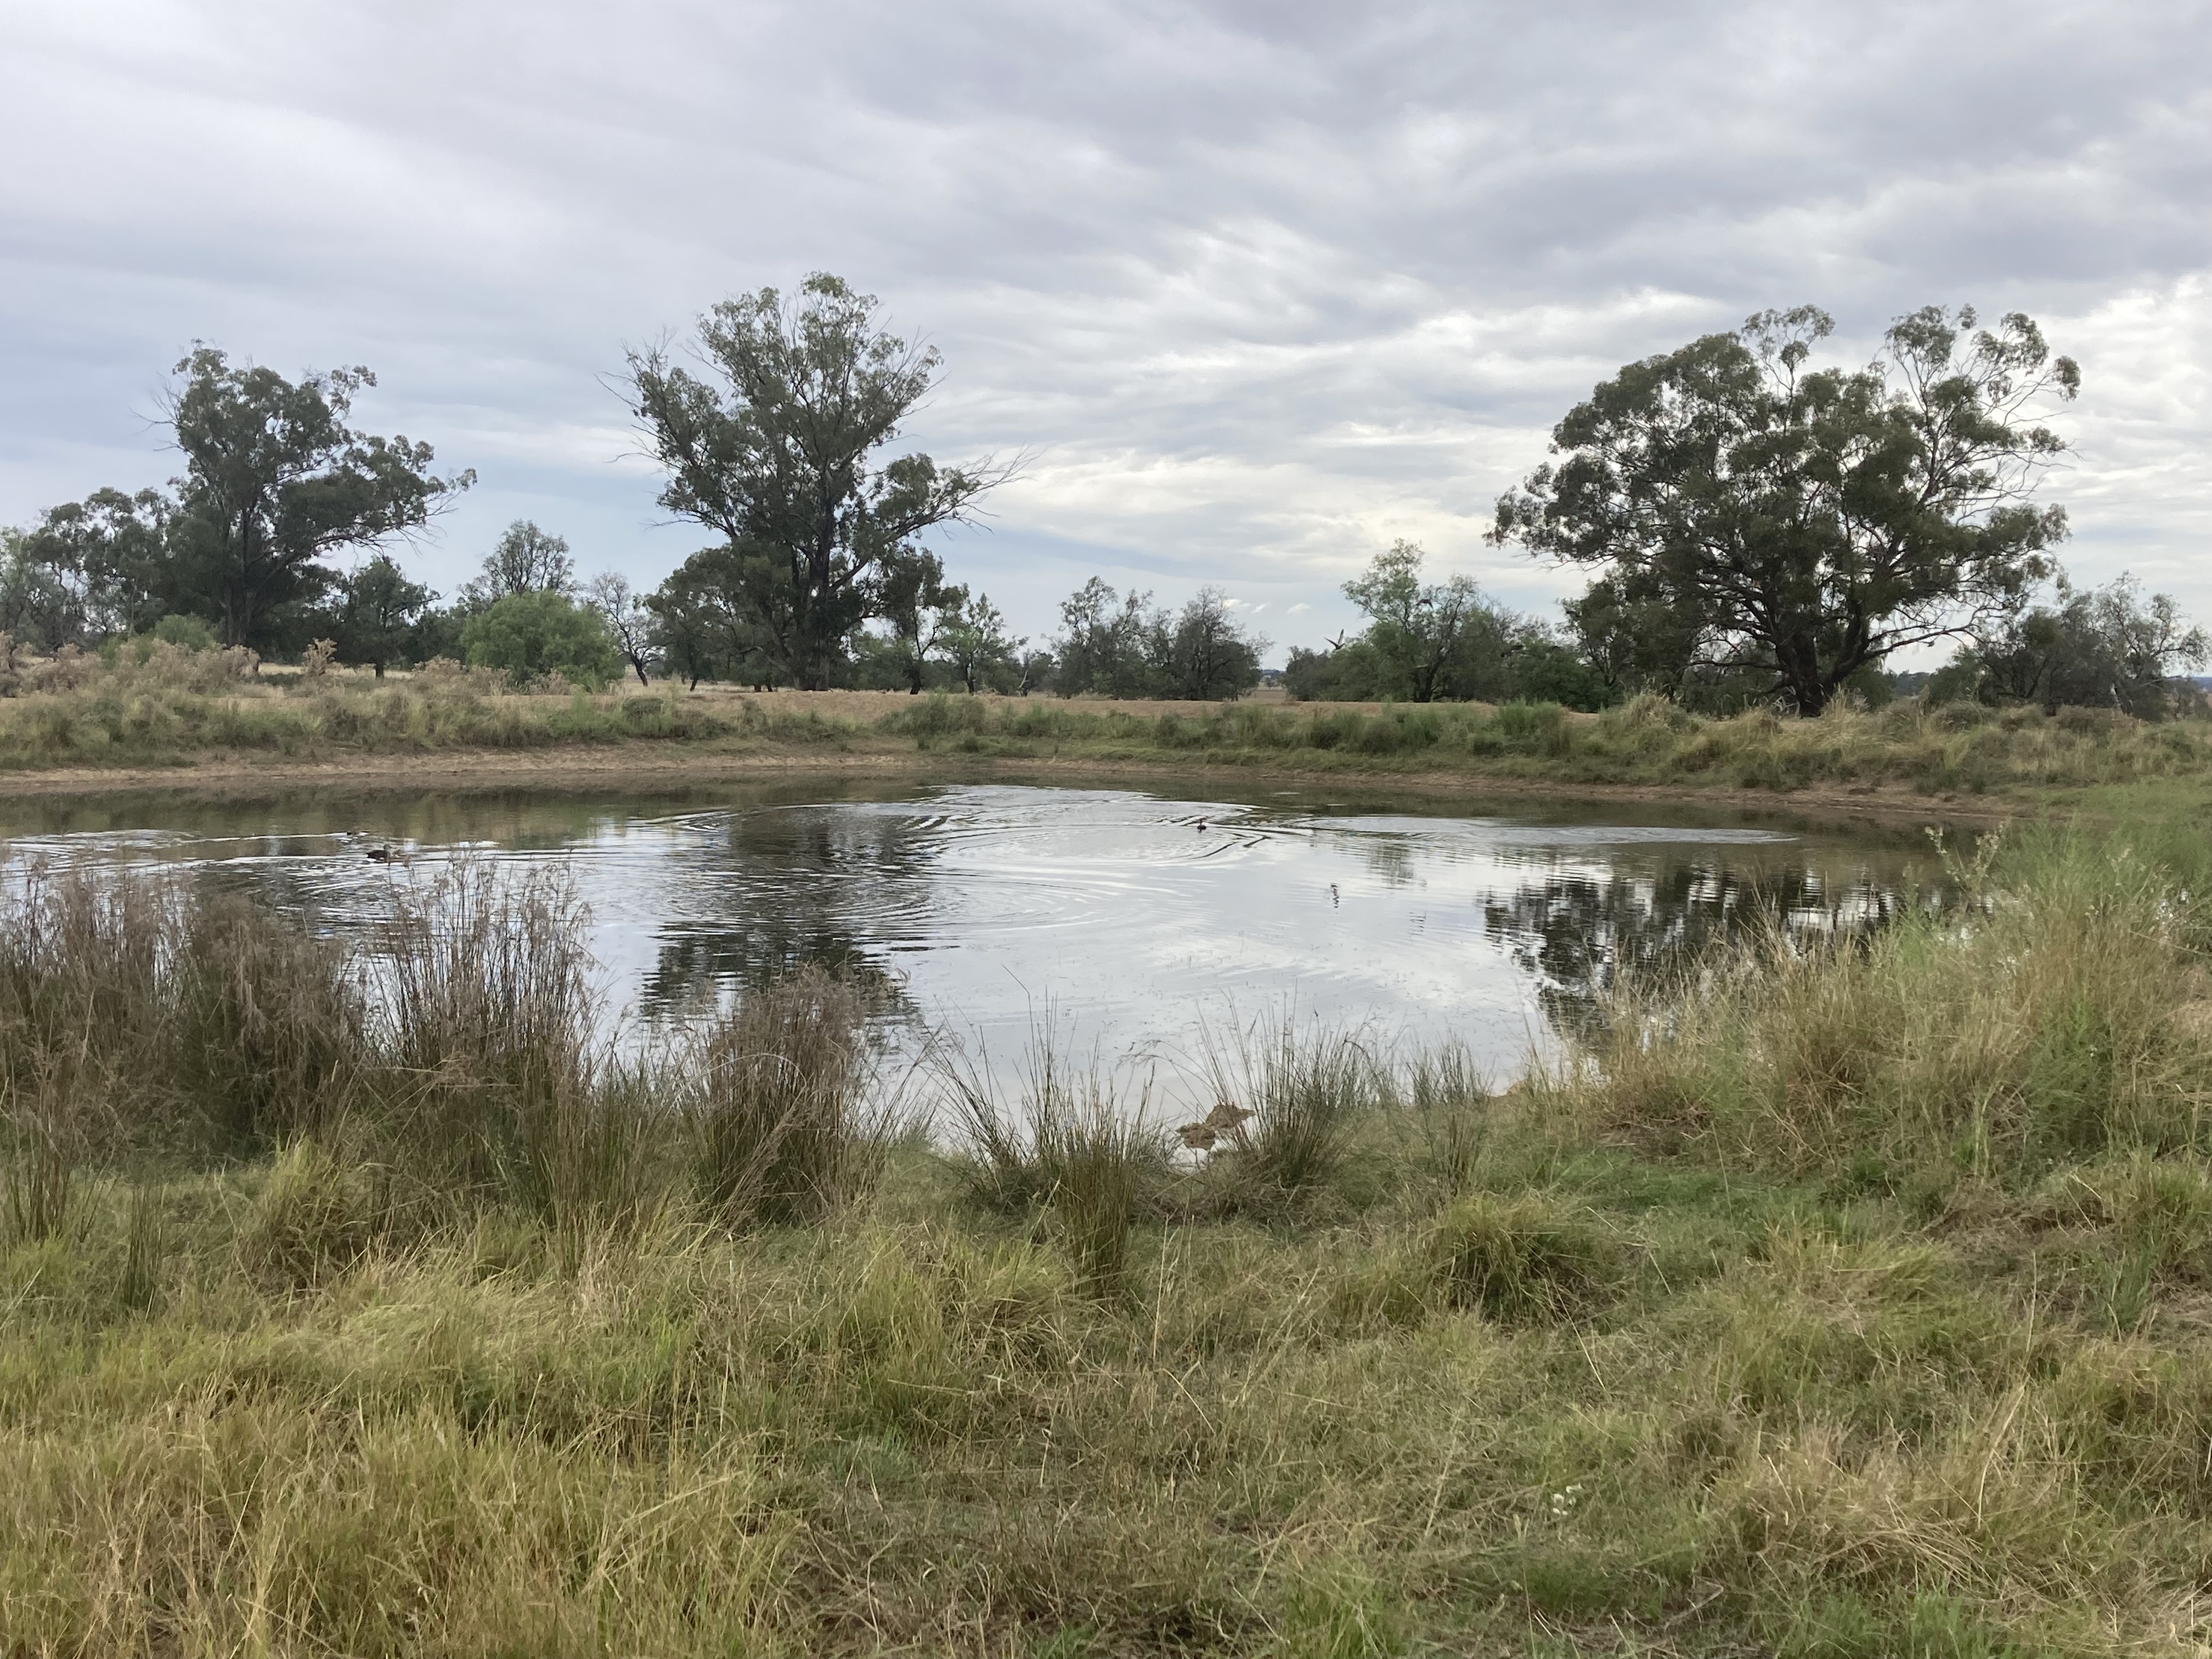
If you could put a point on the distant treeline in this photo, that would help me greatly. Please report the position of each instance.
(1759, 533)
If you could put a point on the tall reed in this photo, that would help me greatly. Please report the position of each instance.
(487, 1025)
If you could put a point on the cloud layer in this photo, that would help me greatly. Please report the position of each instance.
(1256, 287)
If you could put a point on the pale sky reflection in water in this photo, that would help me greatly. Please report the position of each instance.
(1137, 922)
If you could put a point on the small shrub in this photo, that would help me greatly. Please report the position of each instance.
(68, 670)
(187, 633)
(1536, 728)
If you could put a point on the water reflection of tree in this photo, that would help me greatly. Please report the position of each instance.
(1388, 855)
(785, 890)
(1579, 933)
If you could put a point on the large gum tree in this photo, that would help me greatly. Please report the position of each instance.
(1753, 516)
(276, 484)
(773, 446)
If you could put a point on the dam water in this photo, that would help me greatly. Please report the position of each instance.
(1138, 925)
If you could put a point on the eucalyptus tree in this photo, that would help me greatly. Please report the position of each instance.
(1210, 655)
(921, 607)
(2108, 647)
(1113, 645)
(774, 445)
(525, 560)
(709, 622)
(377, 613)
(1427, 639)
(1750, 514)
(983, 652)
(630, 621)
(276, 484)
(92, 568)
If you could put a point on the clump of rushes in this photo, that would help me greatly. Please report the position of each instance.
(1452, 1103)
(486, 1012)
(83, 1045)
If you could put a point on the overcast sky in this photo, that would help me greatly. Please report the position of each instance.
(1255, 288)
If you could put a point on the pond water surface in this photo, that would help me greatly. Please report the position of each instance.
(1129, 921)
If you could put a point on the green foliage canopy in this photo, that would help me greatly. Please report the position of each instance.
(778, 459)
(1750, 514)
(1438, 641)
(525, 560)
(2108, 647)
(977, 643)
(1113, 645)
(531, 635)
(275, 483)
(377, 615)
(93, 568)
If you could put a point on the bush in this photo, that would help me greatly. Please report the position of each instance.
(185, 633)
(533, 636)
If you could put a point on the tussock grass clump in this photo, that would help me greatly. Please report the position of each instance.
(1074, 1150)
(781, 1128)
(309, 1219)
(1453, 1104)
(1305, 1092)
(1530, 1259)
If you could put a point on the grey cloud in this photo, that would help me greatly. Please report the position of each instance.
(1258, 286)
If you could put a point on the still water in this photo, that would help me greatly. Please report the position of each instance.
(1127, 921)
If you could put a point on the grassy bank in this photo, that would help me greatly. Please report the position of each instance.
(175, 710)
(1844, 1304)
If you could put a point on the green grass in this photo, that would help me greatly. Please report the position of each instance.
(1855, 1302)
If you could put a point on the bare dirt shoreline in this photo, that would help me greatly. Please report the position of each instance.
(568, 770)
